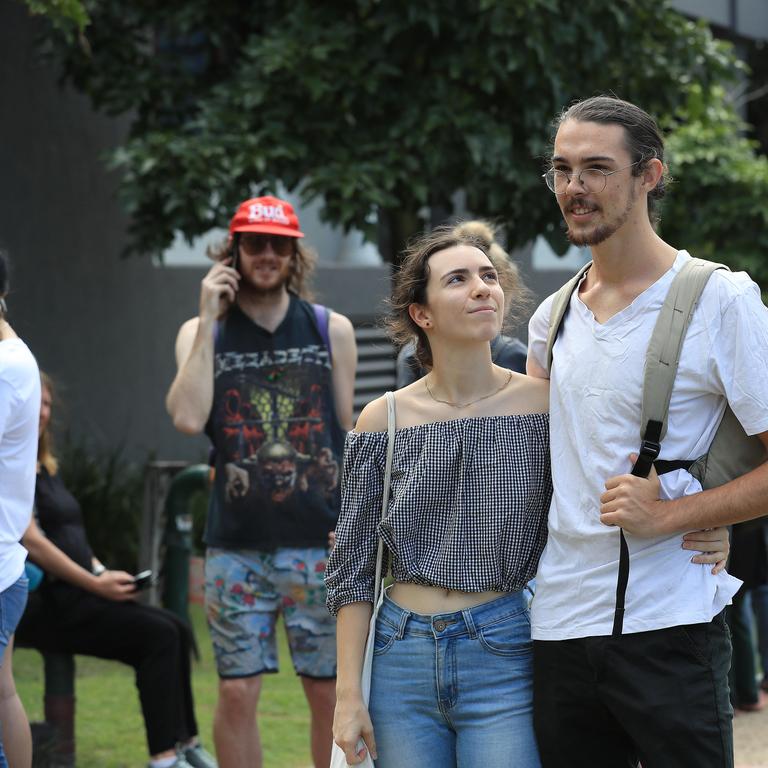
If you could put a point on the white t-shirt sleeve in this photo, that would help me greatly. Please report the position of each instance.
(538, 332)
(739, 353)
(6, 406)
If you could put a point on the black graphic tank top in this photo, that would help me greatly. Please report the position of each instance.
(276, 436)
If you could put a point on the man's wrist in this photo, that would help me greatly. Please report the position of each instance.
(670, 516)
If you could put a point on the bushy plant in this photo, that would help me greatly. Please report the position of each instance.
(110, 491)
(717, 207)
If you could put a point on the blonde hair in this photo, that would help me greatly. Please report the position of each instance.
(45, 455)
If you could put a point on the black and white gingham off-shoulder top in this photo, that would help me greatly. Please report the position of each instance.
(467, 510)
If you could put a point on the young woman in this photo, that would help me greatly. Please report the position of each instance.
(84, 608)
(466, 524)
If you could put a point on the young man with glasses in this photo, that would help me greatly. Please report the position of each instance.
(270, 378)
(657, 692)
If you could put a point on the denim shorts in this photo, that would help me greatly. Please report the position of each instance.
(245, 590)
(13, 601)
(454, 688)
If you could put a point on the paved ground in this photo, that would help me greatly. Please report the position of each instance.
(750, 732)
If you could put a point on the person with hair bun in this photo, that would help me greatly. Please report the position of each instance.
(506, 351)
(465, 526)
(644, 680)
(19, 410)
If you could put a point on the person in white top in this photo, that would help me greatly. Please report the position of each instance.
(658, 693)
(19, 413)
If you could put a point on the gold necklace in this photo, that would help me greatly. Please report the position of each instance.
(471, 402)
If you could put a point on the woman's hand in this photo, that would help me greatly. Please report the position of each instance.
(351, 722)
(115, 585)
(713, 545)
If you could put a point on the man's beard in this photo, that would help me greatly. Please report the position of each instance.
(265, 292)
(602, 231)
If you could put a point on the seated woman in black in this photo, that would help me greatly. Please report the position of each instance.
(83, 608)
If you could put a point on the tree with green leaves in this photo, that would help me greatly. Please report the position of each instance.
(68, 17)
(717, 206)
(382, 109)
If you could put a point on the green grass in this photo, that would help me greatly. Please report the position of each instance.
(109, 729)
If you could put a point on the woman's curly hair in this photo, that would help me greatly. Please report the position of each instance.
(410, 281)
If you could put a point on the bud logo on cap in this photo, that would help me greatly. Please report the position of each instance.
(266, 214)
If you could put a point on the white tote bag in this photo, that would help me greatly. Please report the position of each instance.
(338, 759)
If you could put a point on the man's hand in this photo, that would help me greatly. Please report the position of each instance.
(633, 504)
(115, 585)
(218, 290)
(238, 482)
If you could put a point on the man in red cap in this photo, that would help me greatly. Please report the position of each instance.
(270, 378)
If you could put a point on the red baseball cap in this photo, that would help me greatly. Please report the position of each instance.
(269, 215)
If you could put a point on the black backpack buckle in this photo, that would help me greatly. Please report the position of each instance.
(649, 451)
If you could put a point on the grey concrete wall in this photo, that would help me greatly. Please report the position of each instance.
(748, 18)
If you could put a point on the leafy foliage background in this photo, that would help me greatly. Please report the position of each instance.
(110, 491)
(381, 109)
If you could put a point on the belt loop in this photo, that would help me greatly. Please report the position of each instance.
(404, 616)
(467, 614)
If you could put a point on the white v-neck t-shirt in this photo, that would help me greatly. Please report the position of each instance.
(595, 403)
(19, 419)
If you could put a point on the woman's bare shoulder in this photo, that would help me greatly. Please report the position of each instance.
(409, 410)
(373, 418)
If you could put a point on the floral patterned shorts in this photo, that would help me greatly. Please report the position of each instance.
(246, 589)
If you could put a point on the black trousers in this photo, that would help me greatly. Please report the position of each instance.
(155, 642)
(658, 697)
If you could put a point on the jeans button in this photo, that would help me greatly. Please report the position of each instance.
(440, 625)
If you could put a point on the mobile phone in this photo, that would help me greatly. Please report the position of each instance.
(142, 580)
(234, 250)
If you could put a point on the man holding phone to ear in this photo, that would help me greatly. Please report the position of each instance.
(270, 378)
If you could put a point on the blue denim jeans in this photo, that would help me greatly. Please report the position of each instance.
(454, 689)
(13, 600)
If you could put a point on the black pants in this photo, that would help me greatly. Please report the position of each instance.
(156, 643)
(659, 697)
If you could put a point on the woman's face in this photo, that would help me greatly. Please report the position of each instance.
(45, 409)
(464, 298)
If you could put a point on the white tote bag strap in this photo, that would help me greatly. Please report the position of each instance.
(378, 592)
(391, 416)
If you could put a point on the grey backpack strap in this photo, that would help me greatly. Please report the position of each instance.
(663, 354)
(559, 309)
(661, 361)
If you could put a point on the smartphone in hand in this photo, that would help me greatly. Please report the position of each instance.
(142, 580)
